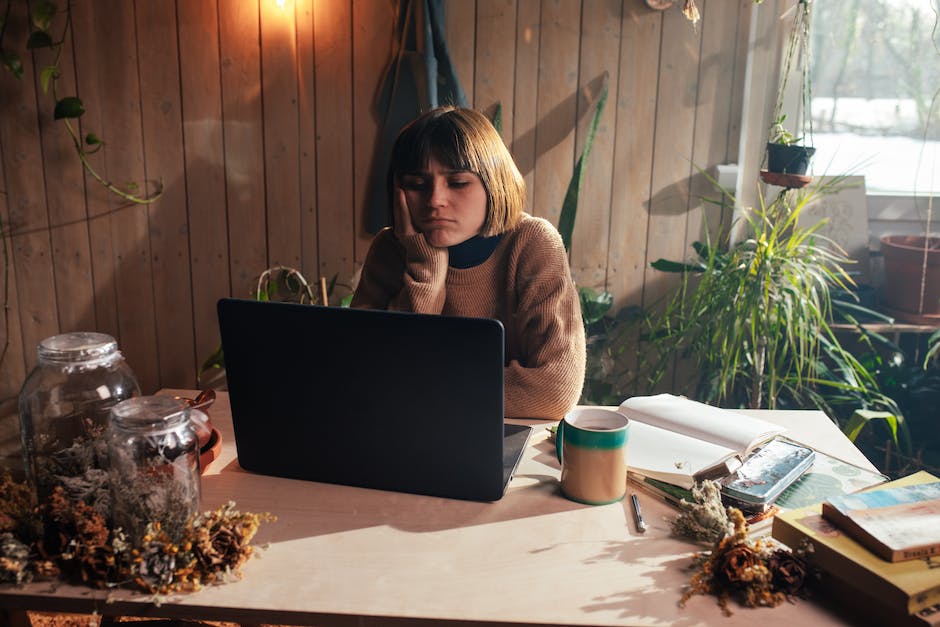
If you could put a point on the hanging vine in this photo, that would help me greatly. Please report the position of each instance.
(67, 108)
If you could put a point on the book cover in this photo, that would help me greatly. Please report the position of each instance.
(898, 523)
(828, 476)
(867, 609)
(681, 441)
(907, 587)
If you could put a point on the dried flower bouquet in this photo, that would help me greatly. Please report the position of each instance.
(77, 545)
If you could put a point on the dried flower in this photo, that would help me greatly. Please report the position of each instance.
(221, 540)
(14, 560)
(750, 570)
(77, 544)
(690, 11)
(705, 518)
(76, 538)
(789, 571)
(17, 514)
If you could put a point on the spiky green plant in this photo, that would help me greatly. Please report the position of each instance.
(753, 315)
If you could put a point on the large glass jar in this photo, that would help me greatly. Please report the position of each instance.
(64, 405)
(154, 454)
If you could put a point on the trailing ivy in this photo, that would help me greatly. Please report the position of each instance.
(67, 108)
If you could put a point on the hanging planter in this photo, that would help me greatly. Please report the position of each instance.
(912, 277)
(788, 158)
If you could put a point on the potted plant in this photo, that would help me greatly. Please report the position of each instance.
(753, 316)
(911, 290)
(787, 157)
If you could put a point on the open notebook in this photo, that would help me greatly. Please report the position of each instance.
(376, 399)
(680, 441)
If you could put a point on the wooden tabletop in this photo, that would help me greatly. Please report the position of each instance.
(349, 556)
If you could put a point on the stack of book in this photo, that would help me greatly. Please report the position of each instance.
(676, 442)
(878, 551)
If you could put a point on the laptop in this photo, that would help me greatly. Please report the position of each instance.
(376, 399)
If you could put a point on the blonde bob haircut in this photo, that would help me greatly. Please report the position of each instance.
(462, 139)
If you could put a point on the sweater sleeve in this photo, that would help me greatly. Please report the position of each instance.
(546, 382)
(406, 275)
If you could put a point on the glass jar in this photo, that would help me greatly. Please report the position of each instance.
(64, 406)
(154, 455)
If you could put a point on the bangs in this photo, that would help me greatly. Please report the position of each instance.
(443, 141)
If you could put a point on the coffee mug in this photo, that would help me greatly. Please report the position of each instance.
(591, 444)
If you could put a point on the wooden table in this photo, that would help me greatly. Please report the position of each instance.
(349, 556)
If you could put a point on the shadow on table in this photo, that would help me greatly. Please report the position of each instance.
(307, 508)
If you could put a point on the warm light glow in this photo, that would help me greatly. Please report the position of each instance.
(280, 3)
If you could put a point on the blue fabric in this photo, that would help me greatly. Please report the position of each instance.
(420, 77)
(473, 252)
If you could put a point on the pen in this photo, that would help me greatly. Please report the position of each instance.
(637, 514)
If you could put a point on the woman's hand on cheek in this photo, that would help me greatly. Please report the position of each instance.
(404, 227)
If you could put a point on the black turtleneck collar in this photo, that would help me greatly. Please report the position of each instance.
(472, 252)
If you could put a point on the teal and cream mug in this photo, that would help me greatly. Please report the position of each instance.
(591, 444)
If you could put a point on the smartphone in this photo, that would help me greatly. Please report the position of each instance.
(768, 471)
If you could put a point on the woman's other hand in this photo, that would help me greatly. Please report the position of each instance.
(404, 227)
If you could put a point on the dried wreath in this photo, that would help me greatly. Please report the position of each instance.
(756, 572)
(77, 545)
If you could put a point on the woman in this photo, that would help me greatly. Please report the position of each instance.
(461, 245)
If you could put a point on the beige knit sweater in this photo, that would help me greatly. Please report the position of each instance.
(526, 284)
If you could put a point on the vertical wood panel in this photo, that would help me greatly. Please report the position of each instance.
(713, 116)
(332, 23)
(459, 32)
(373, 35)
(736, 94)
(306, 133)
(244, 147)
(119, 100)
(30, 249)
(97, 198)
(557, 110)
(65, 195)
(525, 96)
(281, 149)
(496, 31)
(672, 153)
(13, 367)
(163, 150)
(635, 106)
(204, 162)
(600, 50)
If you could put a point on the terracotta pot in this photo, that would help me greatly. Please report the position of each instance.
(904, 268)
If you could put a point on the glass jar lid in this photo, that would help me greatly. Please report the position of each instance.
(153, 414)
(82, 348)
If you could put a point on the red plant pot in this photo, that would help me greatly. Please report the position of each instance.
(905, 278)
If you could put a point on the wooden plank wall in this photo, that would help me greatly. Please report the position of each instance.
(260, 121)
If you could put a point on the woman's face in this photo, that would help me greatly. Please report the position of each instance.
(448, 206)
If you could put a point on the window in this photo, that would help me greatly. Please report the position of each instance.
(876, 80)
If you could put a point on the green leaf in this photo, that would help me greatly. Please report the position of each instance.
(664, 265)
(69, 107)
(42, 13)
(38, 39)
(347, 299)
(594, 305)
(569, 208)
(12, 62)
(498, 118)
(862, 417)
(46, 76)
(93, 140)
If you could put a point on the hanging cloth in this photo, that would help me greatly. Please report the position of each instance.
(420, 77)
